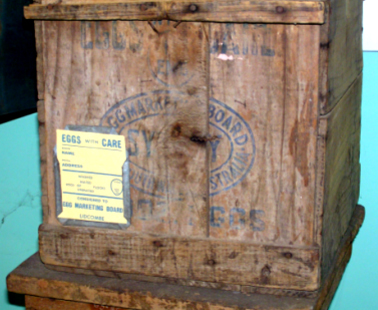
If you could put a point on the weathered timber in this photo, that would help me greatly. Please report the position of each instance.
(219, 286)
(41, 116)
(239, 134)
(328, 284)
(342, 171)
(57, 290)
(168, 164)
(321, 130)
(209, 260)
(344, 41)
(39, 48)
(286, 12)
(342, 256)
(324, 61)
(338, 168)
(282, 128)
(40, 303)
(33, 278)
(271, 211)
(43, 156)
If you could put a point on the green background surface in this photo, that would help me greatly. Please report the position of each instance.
(21, 213)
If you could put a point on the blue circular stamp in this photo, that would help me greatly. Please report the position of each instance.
(137, 118)
(229, 168)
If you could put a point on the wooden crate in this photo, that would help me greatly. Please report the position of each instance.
(242, 120)
(61, 290)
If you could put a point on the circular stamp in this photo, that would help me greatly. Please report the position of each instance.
(116, 186)
(141, 119)
(233, 153)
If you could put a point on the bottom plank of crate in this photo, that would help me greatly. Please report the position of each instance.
(354, 226)
(65, 291)
(184, 259)
(51, 290)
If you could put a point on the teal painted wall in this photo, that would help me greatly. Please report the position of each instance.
(20, 209)
(20, 195)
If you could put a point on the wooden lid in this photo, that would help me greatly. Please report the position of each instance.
(239, 11)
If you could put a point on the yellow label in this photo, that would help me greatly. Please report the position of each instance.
(91, 176)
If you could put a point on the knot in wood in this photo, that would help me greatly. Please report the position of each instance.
(203, 139)
(287, 255)
(111, 253)
(197, 139)
(193, 8)
(280, 9)
(265, 272)
(176, 130)
(157, 243)
(211, 262)
(233, 255)
(64, 236)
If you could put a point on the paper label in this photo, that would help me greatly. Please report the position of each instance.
(91, 176)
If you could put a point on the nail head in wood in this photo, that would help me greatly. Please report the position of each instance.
(280, 9)
(193, 8)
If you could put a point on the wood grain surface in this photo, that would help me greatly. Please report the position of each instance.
(344, 45)
(241, 141)
(38, 303)
(301, 12)
(60, 290)
(342, 176)
(243, 137)
(168, 159)
(247, 289)
(218, 261)
(275, 93)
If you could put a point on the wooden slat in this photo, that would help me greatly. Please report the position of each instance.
(40, 303)
(43, 157)
(288, 12)
(320, 176)
(39, 49)
(274, 95)
(247, 289)
(324, 61)
(32, 278)
(321, 130)
(343, 42)
(177, 257)
(126, 291)
(342, 256)
(338, 166)
(150, 87)
(342, 177)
